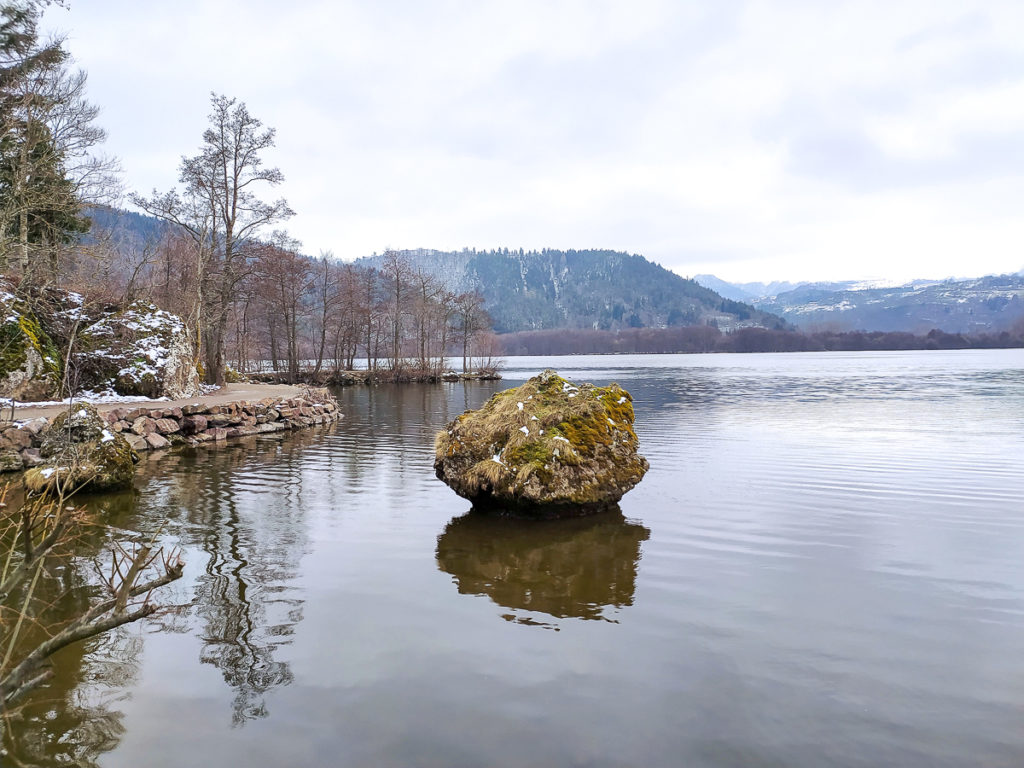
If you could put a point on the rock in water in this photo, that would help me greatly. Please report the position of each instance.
(80, 452)
(548, 448)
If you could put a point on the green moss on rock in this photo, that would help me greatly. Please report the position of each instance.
(548, 447)
(29, 365)
(81, 453)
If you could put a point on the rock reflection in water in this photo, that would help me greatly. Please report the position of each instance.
(574, 568)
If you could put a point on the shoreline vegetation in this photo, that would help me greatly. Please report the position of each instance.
(347, 378)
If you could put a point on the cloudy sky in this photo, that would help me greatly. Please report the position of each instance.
(786, 139)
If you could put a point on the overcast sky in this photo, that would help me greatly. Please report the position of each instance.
(790, 139)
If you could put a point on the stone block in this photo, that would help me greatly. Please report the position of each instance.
(143, 425)
(30, 457)
(137, 442)
(36, 426)
(167, 426)
(19, 438)
(191, 425)
(157, 441)
(10, 460)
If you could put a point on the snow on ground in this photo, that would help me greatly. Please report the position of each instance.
(85, 397)
(842, 306)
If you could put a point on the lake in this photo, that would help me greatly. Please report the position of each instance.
(823, 567)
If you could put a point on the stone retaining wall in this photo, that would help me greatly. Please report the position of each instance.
(152, 427)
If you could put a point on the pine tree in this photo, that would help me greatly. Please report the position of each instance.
(47, 171)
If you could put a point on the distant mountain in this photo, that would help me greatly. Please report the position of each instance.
(609, 290)
(985, 304)
(744, 291)
(992, 303)
(124, 227)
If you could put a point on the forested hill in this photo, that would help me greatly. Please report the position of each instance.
(123, 226)
(534, 290)
(609, 290)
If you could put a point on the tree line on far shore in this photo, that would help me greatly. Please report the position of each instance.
(698, 339)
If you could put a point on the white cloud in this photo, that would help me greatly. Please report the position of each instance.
(756, 140)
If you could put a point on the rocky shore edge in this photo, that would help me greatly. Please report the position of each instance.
(155, 426)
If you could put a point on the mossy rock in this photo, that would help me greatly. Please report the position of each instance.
(29, 360)
(81, 453)
(140, 351)
(10, 460)
(548, 448)
(138, 382)
(231, 376)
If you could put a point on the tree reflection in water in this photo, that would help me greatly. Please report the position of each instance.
(575, 568)
(251, 528)
(238, 515)
(81, 701)
(73, 719)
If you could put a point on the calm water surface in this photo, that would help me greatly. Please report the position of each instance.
(822, 568)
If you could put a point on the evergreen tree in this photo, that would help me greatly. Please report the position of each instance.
(47, 171)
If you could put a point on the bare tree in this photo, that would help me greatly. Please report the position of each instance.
(220, 212)
(472, 319)
(284, 279)
(445, 310)
(368, 284)
(396, 271)
(327, 284)
(426, 291)
(345, 316)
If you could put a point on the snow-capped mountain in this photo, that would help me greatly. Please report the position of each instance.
(985, 304)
